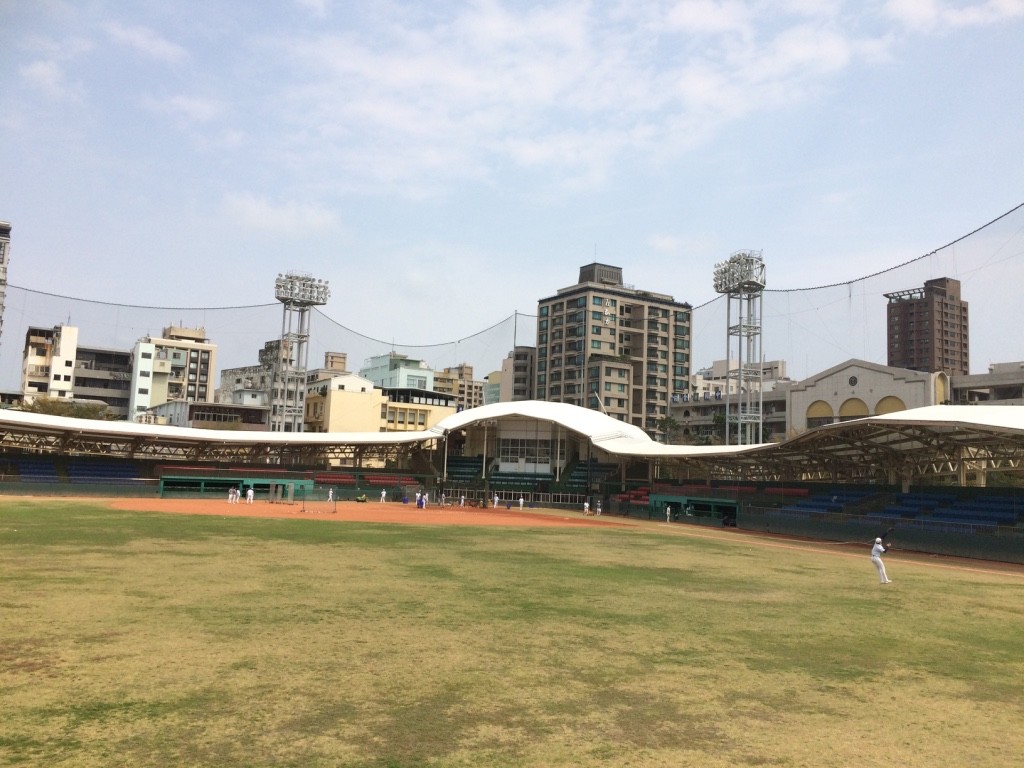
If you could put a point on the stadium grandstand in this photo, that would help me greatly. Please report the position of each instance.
(923, 474)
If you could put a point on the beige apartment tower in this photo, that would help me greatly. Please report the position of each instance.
(458, 381)
(178, 365)
(613, 348)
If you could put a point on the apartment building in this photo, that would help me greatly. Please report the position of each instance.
(394, 370)
(248, 385)
(927, 328)
(493, 387)
(518, 374)
(178, 365)
(459, 383)
(715, 379)
(55, 365)
(343, 402)
(351, 403)
(611, 347)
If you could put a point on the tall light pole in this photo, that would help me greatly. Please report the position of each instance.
(297, 292)
(741, 279)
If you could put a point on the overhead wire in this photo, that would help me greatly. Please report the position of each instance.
(849, 282)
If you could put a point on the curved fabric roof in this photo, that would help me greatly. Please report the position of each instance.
(593, 424)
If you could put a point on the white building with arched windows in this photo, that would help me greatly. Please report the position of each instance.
(855, 389)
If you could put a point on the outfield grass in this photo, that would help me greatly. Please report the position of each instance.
(168, 640)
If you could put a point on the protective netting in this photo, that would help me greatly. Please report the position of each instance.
(810, 328)
(816, 327)
(239, 332)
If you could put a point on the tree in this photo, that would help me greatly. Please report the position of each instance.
(55, 406)
(670, 427)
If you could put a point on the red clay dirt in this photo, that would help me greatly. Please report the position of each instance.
(369, 512)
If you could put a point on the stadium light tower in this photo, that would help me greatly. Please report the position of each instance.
(741, 279)
(297, 292)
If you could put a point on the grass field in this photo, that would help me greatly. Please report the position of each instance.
(144, 639)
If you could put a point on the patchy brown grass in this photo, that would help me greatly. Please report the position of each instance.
(143, 639)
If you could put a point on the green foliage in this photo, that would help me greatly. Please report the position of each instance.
(56, 406)
(670, 427)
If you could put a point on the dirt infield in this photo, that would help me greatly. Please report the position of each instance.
(407, 514)
(370, 512)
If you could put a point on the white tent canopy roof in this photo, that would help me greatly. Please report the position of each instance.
(933, 434)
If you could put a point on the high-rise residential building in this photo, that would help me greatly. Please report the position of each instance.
(607, 346)
(458, 381)
(5, 255)
(927, 328)
(179, 365)
(518, 373)
(55, 365)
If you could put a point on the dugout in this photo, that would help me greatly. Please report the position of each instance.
(280, 490)
(698, 510)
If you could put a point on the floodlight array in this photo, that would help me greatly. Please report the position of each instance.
(742, 272)
(299, 289)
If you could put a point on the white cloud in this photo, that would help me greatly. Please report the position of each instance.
(710, 17)
(565, 87)
(147, 42)
(48, 77)
(319, 8)
(925, 14)
(190, 109)
(803, 52)
(573, 88)
(288, 218)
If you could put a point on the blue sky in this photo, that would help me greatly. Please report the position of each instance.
(447, 164)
